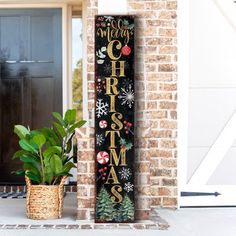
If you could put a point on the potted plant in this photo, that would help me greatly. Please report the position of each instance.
(46, 157)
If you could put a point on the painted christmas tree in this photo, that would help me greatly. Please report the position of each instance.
(105, 207)
(127, 209)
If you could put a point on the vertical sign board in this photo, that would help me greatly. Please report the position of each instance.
(114, 118)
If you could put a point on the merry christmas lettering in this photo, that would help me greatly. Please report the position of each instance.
(114, 30)
(118, 70)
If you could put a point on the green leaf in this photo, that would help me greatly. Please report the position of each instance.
(56, 164)
(51, 136)
(32, 176)
(58, 117)
(30, 167)
(52, 150)
(24, 144)
(68, 166)
(48, 175)
(20, 153)
(64, 174)
(21, 131)
(69, 144)
(76, 125)
(70, 116)
(122, 141)
(30, 159)
(19, 172)
(60, 129)
(129, 146)
(39, 139)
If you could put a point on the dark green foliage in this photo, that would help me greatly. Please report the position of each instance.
(105, 208)
(126, 210)
(46, 152)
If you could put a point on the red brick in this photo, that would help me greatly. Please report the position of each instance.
(166, 124)
(154, 6)
(169, 15)
(167, 68)
(169, 201)
(155, 201)
(85, 179)
(168, 144)
(168, 105)
(169, 182)
(170, 163)
(168, 50)
(167, 32)
(172, 5)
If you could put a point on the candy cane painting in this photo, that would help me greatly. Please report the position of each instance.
(114, 118)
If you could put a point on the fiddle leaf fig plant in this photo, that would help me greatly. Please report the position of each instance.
(46, 152)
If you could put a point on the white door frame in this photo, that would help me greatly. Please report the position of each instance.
(66, 44)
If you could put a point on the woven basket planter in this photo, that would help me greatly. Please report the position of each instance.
(44, 201)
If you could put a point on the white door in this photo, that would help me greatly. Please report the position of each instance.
(210, 173)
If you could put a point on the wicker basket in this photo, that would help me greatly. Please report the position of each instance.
(44, 201)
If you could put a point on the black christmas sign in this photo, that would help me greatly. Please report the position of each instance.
(114, 118)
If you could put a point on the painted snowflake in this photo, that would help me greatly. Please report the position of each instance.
(101, 108)
(107, 68)
(100, 139)
(127, 96)
(126, 82)
(125, 173)
(129, 187)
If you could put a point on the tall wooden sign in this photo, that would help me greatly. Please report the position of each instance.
(114, 118)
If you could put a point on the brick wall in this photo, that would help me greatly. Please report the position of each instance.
(156, 114)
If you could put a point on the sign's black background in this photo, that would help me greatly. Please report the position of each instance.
(102, 71)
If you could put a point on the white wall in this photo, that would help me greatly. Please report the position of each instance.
(112, 7)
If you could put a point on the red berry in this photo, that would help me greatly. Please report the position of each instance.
(104, 174)
(105, 168)
(126, 127)
(126, 132)
(125, 121)
(103, 178)
(129, 124)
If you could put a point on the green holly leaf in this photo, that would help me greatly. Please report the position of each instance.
(126, 22)
(122, 141)
(131, 26)
(128, 146)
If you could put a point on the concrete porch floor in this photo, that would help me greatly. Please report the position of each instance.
(183, 222)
